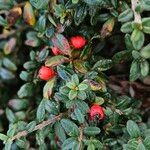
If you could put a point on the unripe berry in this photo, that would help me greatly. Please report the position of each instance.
(96, 111)
(46, 73)
(78, 41)
(56, 51)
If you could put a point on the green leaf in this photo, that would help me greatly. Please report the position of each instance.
(6, 74)
(40, 137)
(51, 20)
(141, 146)
(3, 137)
(80, 66)
(8, 144)
(40, 114)
(51, 107)
(128, 42)
(39, 4)
(137, 39)
(11, 131)
(132, 145)
(97, 2)
(80, 14)
(48, 88)
(71, 85)
(82, 95)
(99, 100)
(145, 52)
(134, 71)
(82, 86)
(146, 142)
(43, 54)
(127, 27)
(72, 94)
(75, 79)
(30, 127)
(91, 131)
(63, 73)
(29, 65)
(68, 143)
(56, 60)
(24, 75)
(10, 115)
(62, 43)
(122, 56)
(144, 65)
(83, 106)
(79, 115)
(9, 64)
(126, 15)
(26, 90)
(3, 22)
(133, 129)
(75, 1)
(18, 104)
(59, 10)
(91, 147)
(103, 65)
(59, 131)
(70, 127)
(146, 25)
(21, 143)
(41, 24)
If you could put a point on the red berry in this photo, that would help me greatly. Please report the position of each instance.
(78, 41)
(46, 73)
(56, 51)
(96, 111)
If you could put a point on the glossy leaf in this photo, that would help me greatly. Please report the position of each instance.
(48, 88)
(56, 60)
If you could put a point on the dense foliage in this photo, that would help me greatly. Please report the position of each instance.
(56, 59)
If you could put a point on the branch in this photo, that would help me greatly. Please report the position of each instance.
(37, 127)
(137, 16)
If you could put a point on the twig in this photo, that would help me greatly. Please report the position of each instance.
(37, 127)
(81, 134)
(137, 16)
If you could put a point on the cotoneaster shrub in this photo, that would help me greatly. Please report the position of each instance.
(55, 61)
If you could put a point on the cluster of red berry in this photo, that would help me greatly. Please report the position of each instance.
(47, 73)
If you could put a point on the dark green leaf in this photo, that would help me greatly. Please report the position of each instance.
(79, 115)
(70, 127)
(39, 4)
(10, 115)
(26, 90)
(144, 68)
(91, 131)
(60, 132)
(134, 71)
(62, 43)
(41, 111)
(30, 127)
(133, 129)
(103, 65)
(125, 16)
(137, 39)
(68, 143)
